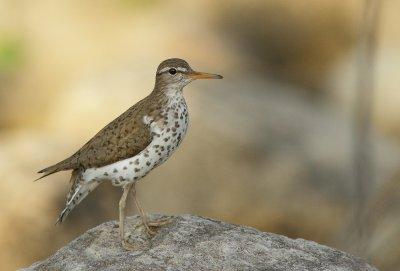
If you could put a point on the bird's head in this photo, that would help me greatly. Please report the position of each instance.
(176, 73)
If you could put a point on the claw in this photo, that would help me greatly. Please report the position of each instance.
(159, 222)
(150, 232)
(127, 245)
(155, 224)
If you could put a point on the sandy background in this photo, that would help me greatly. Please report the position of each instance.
(270, 146)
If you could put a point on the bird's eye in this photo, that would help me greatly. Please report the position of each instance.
(172, 71)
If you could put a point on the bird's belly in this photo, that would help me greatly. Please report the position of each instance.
(164, 142)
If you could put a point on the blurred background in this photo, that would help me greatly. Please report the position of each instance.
(275, 145)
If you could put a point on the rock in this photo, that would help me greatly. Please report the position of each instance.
(195, 243)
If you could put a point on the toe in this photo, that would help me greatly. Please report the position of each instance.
(160, 222)
(150, 232)
(127, 245)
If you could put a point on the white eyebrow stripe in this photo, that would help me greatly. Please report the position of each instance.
(178, 69)
(182, 69)
(164, 70)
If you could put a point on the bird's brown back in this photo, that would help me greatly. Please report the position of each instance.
(124, 137)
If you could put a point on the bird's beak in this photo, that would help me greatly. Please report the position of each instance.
(203, 75)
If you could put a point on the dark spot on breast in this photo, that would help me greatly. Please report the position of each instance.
(115, 170)
(137, 162)
(124, 168)
(148, 163)
(105, 174)
(137, 169)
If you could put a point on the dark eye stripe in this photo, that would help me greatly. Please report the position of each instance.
(177, 70)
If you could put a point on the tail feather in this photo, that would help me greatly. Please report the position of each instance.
(44, 175)
(63, 165)
(79, 190)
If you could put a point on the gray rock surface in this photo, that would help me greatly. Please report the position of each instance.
(196, 243)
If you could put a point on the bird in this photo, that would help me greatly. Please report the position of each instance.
(133, 144)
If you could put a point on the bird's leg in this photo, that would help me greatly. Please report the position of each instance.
(160, 222)
(141, 212)
(122, 204)
(147, 224)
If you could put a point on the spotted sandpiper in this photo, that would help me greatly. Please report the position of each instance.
(133, 144)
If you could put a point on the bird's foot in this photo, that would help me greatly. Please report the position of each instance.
(159, 222)
(152, 224)
(127, 245)
(149, 231)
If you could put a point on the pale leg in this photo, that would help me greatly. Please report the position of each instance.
(141, 212)
(122, 204)
(147, 224)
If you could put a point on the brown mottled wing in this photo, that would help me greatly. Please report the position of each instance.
(124, 137)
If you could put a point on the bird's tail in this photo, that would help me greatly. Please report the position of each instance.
(66, 164)
(79, 190)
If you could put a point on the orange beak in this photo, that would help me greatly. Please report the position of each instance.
(204, 75)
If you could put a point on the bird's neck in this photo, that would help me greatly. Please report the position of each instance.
(168, 95)
(169, 91)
